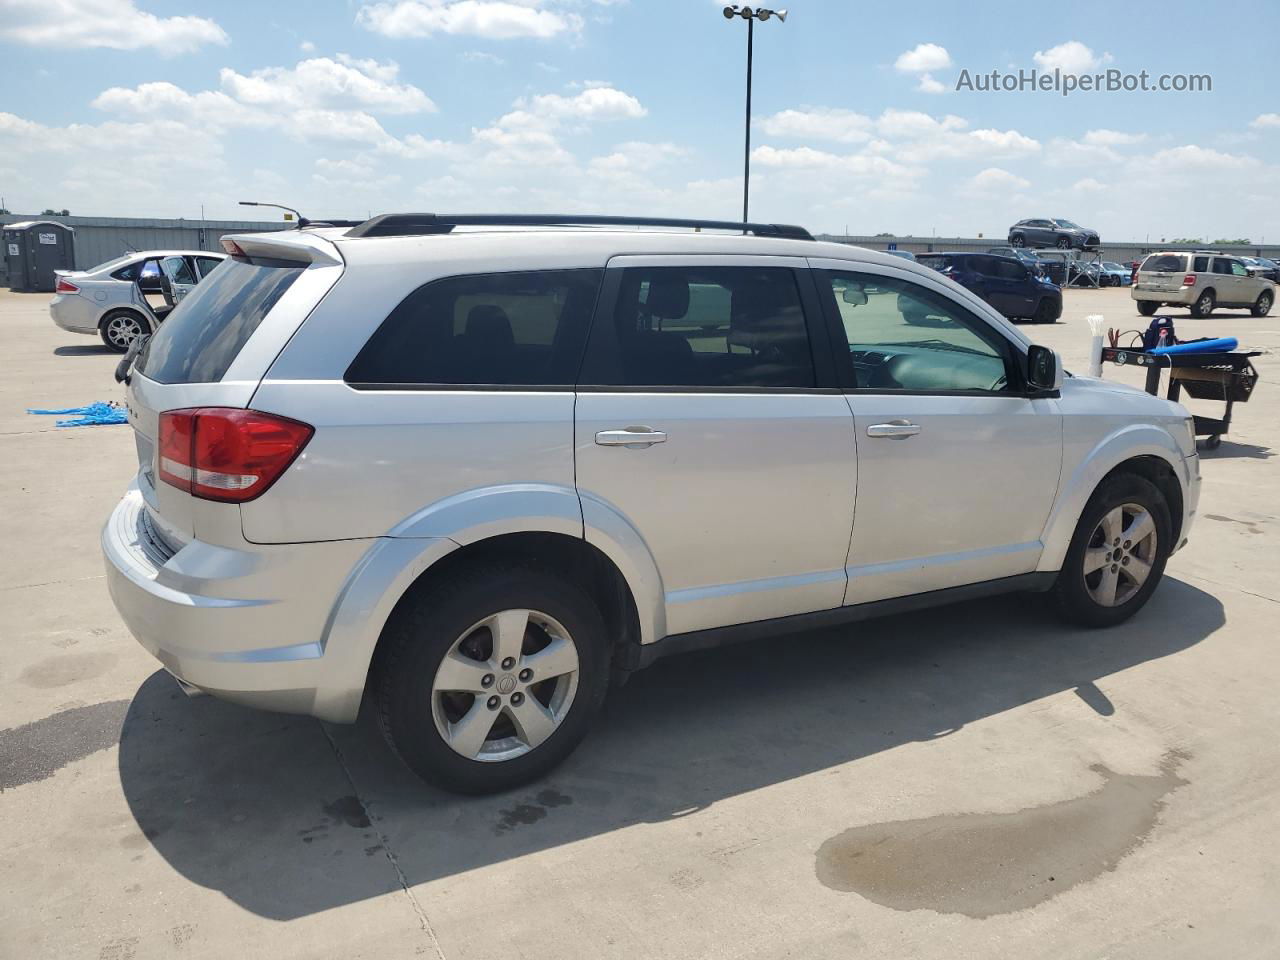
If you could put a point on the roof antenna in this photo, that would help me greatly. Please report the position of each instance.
(302, 221)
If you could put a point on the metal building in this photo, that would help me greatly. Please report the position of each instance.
(99, 239)
(33, 250)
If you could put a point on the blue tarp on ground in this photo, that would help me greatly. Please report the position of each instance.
(89, 416)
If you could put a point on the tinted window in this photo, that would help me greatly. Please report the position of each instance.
(1222, 265)
(902, 336)
(1164, 263)
(204, 333)
(1201, 265)
(934, 261)
(1010, 270)
(703, 327)
(129, 273)
(208, 264)
(499, 328)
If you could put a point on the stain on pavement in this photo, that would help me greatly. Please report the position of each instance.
(38, 750)
(983, 864)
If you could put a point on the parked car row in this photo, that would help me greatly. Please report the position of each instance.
(130, 296)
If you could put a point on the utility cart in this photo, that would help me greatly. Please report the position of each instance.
(1227, 377)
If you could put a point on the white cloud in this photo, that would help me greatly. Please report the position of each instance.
(1070, 57)
(1089, 185)
(1195, 159)
(630, 159)
(997, 180)
(1266, 120)
(114, 24)
(480, 56)
(1112, 138)
(912, 123)
(928, 84)
(922, 58)
(819, 123)
(1062, 152)
(493, 19)
(306, 46)
(322, 82)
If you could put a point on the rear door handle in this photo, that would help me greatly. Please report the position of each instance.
(635, 437)
(894, 429)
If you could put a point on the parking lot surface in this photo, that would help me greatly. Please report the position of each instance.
(972, 781)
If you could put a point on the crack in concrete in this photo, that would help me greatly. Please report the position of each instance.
(383, 839)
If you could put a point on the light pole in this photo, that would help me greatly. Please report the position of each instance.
(751, 16)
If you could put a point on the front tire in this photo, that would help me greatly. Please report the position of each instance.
(488, 680)
(1044, 312)
(1147, 307)
(1117, 554)
(1018, 241)
(1262, 306)
(1204, 304)
(120, 328)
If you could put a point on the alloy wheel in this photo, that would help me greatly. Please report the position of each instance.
(1120, 555)
(123, 329)
(505, 685)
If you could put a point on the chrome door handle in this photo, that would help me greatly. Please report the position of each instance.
(635, 437)
(894, 429)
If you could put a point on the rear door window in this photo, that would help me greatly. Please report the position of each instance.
(1200, 265)
(203, 335)
(693, 326)
(497, 329)
(208, 264)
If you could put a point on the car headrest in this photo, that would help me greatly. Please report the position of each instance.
(668, 298)
(490, 322)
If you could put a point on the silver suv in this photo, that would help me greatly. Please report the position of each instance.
(1200, 281)
(474, 469)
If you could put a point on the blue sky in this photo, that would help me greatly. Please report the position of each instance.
(143, 108)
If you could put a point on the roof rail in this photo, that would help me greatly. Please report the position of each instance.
(415, 224)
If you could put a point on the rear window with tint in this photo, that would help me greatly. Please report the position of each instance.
(933, 261)
(203, 335)
(1201, 265)
(497, 329)
(1164, 263)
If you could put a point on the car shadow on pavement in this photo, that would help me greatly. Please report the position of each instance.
(83, 350)
(288, 817)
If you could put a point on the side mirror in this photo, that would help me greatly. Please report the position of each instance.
(1044, 368)
(854, 295)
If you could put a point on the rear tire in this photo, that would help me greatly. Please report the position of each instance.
(1204, 304)
(1262, 306)
(1126, 524)
(1064, 243)
(455, 624)
(1018, 241)
(1147, 307)
(120, 328)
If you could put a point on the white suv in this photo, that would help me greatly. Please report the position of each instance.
(473, 468)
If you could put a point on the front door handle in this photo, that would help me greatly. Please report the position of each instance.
(894, 429)
(634, 437)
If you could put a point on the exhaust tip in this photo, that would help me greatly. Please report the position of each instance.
(190, 689)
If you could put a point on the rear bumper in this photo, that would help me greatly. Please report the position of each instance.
(74, 313)
(245, 625)
(1185, 296)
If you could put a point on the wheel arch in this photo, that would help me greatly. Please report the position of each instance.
(541, 524)
(1143, 449)
(134, 311)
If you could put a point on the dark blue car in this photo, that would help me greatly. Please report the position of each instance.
(1006, 283)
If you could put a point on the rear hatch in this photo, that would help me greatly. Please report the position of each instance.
(1162, 272)
(212, 351)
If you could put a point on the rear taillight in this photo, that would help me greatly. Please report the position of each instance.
(1189, 280)
(227, 454)
(65, 286)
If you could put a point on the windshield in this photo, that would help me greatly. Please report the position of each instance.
(1069, 224)
(1111, 265)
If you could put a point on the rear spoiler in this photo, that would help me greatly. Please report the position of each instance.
(293, 247)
